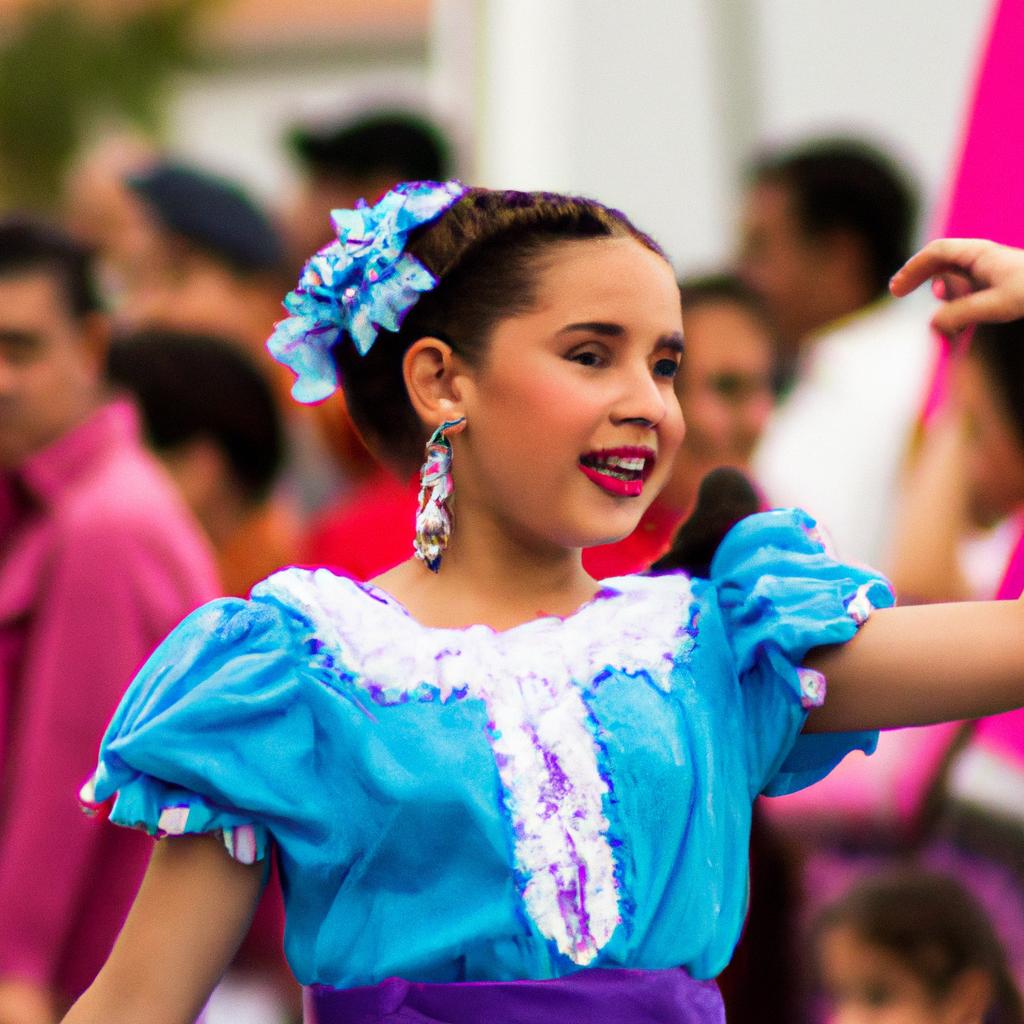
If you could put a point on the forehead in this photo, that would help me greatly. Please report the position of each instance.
(769, 205)
(727, 332)
(32, 298)
(608, 278)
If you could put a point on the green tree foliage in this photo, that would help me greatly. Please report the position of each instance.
(63, 70)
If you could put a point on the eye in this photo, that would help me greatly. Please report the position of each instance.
(20, 348)
(666, 368)
(877, 995)
(586, 357)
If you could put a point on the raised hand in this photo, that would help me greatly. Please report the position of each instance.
(979, 281)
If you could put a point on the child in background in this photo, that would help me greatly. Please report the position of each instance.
(913, 948)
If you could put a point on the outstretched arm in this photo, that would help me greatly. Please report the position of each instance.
(923, 664)
(981, 281)
(190, 915)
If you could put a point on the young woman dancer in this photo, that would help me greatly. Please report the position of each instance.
(497, 789)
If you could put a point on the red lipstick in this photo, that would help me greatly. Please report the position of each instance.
(619, 471)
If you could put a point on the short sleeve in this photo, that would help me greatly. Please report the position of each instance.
(207, 735)
(781, 593)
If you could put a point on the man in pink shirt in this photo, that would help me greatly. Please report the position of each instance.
(99, 558)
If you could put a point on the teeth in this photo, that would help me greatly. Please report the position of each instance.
(621, 467)
(634, 464)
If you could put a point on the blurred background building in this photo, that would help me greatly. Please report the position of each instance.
(653, 106)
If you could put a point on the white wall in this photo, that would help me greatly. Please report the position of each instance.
(900, 70)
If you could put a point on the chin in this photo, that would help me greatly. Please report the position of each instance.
(608, 532)
(590, 534)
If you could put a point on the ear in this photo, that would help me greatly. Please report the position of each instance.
(970, 996)
(200, 470)
(846, 252)
(96, 340)
(434, 379)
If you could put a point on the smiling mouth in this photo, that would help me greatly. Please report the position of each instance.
(619, 471)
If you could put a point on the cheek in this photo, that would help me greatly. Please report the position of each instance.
(998, 474)
(708, 419)
(535, 390)
(754, 417)
(672, 430)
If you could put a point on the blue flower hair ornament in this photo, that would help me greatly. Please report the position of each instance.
(360, 284)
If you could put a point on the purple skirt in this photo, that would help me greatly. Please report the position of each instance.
(589, 997)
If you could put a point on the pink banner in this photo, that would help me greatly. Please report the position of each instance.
(985, 199)
(984, 196)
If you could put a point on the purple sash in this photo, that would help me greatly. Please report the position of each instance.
(590, 997)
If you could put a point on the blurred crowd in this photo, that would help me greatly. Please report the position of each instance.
(151, 459)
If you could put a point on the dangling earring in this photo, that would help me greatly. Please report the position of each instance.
(433, 520)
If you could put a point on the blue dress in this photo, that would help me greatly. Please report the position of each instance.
(465, 804)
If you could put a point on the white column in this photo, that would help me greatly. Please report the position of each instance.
(454, 77)
(604, 97)
(527, 101)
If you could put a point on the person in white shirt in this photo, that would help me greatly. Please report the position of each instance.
(824, 227)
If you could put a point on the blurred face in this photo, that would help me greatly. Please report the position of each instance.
(572, 421)
(108, 216)
(725, 382)
(868, 985)
(49, 366)
(182, 289)
(725, 391)
(995, 453)
(786, 267)
(307, 218)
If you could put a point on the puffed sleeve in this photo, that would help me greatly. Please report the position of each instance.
(210, 735)
(781, 593)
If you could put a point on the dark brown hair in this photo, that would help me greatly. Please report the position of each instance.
(847, 184)
(1000, 350)
(934, 927)
(29, 245)
(486, 252)
(727, 289)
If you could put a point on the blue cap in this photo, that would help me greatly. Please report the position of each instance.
(214, 214)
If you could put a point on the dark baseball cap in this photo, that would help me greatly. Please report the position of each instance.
(213, 213)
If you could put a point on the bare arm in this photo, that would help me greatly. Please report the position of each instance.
(982, 282)
(932, 518)
(924, 664)
(190, 915)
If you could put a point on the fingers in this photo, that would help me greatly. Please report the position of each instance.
(941, 256)
(978, 307)
(978, 280)
(947, 287)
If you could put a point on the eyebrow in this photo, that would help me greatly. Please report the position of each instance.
(17, 336)
(673, 341)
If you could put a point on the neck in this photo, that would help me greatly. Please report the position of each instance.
(78, 414)
(492, 577)
(845, 300)
(222, 515)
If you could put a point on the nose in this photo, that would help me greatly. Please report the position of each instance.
(7, 376)
(849, 1013)
(641, 398)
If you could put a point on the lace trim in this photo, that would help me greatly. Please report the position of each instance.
(240, 840)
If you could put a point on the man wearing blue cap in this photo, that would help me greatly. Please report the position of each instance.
(216, 262)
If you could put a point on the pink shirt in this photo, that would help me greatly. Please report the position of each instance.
(99, 559)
